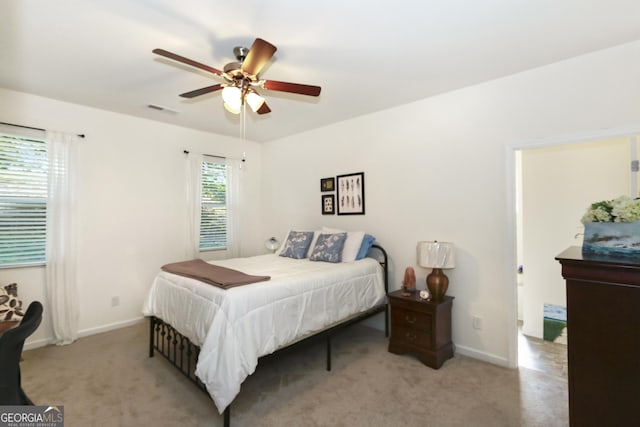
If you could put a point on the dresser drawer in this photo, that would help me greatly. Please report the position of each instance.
(411, 319)
(408, 336)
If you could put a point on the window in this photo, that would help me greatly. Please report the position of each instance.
(23, 200)
(213, 219)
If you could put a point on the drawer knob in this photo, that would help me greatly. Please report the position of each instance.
(410, 319)
(411, 336)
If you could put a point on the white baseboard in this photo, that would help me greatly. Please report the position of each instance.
(110, 327)
(30, 345)
(485, 357)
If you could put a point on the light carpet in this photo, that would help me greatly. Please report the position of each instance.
(109, 380)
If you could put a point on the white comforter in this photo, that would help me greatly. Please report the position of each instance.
(234, 327)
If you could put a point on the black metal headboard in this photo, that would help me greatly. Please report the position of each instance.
(378, 253)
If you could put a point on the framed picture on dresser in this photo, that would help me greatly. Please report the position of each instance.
(350, 194)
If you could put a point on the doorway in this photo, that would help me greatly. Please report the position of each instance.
(554, 186)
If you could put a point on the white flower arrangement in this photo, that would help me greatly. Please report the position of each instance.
(622, 209)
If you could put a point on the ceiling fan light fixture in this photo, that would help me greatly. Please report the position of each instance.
(232, 97)
(254, 100)
(230, 109)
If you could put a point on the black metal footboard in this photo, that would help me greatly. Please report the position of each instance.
(180, 352)
(183, 354)
(175, 347)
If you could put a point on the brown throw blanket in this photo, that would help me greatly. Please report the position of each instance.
(221, 277)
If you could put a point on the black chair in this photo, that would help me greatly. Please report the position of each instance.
(11, 344)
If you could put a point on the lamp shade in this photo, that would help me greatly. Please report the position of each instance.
(436, 255)
(271, 244)
(231, 109)
(254, 100)
(232, 97)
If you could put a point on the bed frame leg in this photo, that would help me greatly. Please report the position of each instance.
(227, 416)
(386, 321)
(329, 352)
(151, 327)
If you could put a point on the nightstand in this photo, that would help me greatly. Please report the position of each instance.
(421, 328)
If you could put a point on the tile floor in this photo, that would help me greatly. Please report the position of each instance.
(544, 356)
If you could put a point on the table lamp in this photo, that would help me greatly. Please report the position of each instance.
(437, 256)
(272, 244)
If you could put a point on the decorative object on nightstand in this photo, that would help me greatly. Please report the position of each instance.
(421, 327)
(272, 244)
(409, 282)
(437, 256)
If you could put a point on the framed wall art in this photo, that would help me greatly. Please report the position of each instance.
(328, 204)
(350, 194)
(327, 184)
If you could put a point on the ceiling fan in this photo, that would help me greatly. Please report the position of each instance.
(242, 78)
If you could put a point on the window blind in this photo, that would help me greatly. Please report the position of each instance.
(23, 200)
(213, 219)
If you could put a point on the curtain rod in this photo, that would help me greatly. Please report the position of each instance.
(212, 155)
(205, 154)
(81, 135)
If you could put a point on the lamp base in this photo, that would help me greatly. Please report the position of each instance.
(437, 283)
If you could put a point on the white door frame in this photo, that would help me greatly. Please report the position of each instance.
(510, 159)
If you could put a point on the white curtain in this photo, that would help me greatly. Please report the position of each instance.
(61, 237)
(234, 177)
(194, 204)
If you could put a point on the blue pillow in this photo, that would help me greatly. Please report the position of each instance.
(367, 242)
(329, 247)
(297, 244)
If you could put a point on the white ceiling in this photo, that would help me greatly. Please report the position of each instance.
(367, 55)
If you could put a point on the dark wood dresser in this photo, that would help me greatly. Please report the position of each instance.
(603, 322)
(421, 328)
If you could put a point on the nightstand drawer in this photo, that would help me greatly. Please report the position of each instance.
(419, 339)
(411, 319)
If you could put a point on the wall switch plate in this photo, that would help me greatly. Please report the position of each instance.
(115, 301)
(477, 322)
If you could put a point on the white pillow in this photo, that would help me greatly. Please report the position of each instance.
(351, 245)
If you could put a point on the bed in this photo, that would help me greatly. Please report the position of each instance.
(216, 336)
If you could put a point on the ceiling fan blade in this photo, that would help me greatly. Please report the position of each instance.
(292, 87)
(187, 61)
(202, 91)
(259, 54)
(264, 109)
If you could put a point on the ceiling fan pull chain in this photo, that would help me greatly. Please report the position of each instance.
(243, 115)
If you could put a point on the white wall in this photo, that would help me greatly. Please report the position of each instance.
(558, 184)
(443, 168)
(131, 204)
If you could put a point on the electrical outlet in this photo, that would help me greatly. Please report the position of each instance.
(477, 322)
(115, 301)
